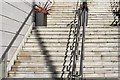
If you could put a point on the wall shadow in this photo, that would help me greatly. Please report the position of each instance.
(47, 56)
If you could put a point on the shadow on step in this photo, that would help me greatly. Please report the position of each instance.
(47, 56)
(66, 70)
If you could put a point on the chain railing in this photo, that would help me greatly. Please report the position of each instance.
(115, 8)
(77, 47)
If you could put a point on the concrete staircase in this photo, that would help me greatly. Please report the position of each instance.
(44, 53)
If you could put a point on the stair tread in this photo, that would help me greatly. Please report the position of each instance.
(101, 56)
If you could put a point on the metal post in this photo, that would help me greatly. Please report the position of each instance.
(83, 41)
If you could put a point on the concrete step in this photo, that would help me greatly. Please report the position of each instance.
(63, 48)
(62, 29)
(106, 62)
(69, 20)
(66, 36)
(97, 12)
(59, 69)
(73, 10)
(66, 58)
(87, 45)
(72, 16)
(63, 44)
(72, 7)
(67, 32)
(34, 74)
(89, 22)
(54, 76)
(65, 24)
(71, 40)
(63, 54)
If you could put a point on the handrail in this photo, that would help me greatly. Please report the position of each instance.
(16, 35)
(75, 45)
(82, 45)
(4, 56)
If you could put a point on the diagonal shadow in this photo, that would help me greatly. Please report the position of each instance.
(47, 56)
(71, 47)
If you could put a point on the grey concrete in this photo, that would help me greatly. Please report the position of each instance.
(12, 15)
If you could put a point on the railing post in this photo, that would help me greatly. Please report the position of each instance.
(83, 19)
(3, 59)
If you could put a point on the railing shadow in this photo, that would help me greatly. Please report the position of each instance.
(115, 8)
(47, 56)
(69, 47)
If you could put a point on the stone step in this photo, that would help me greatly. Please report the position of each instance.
(89, 28)
(72, 18)
(86, 65)
(65, 63)
(92, 31)
(87, 45)
(89, 16)
(65, 24)
(66, 36)
(54, 58)
(89, 22)
(64, 49)
(67, 32)
(63, 44)
(73, 10)
(71, 40)
(54, 76)
(89, 5)
(108, 11)
(97, 12)
(59, 69)
(34, 74)
(87, 54)
(69, 20)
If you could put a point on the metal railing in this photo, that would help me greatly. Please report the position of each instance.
(3, 59)
(77, 53)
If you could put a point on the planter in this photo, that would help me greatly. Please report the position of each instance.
(40, 17)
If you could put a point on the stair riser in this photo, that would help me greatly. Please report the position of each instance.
(97, 70)
(61, 36)
(57, 58)
(64, 45)
(66, 33)
(32, 75)
(103, 55)
(71, 40)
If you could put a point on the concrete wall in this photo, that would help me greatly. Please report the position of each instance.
(13, 14)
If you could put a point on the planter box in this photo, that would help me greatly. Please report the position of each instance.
(40, 19)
